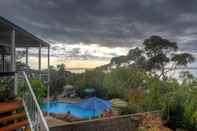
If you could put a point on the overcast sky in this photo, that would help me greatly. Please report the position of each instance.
(100, 29)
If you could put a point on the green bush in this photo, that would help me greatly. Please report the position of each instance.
(57, 79)
(119, 81)
(88, 79)
(39, 88)
(6, 89)
(178, 101)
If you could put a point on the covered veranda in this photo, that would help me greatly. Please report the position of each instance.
(13, 37)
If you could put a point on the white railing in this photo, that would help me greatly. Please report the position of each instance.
(31, 105)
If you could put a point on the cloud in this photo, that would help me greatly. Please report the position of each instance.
(108, 23)
(83, 51)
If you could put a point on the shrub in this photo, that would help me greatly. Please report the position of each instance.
(39, 88)
(119, 81)
(6, 89)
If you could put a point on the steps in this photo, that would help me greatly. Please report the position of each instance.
(13, 117)
(10, 106)
(15, 126)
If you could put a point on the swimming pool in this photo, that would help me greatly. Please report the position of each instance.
(74, 109)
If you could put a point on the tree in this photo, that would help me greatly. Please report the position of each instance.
(119, 60)
(157, 50)
(160, 54)
(118, 82)
(183, 59)
(187, 78)
(57, 79)
(136, 55)
(134, 58)
(158, 57)
(88, 79)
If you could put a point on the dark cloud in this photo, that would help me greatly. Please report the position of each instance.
(106, 22)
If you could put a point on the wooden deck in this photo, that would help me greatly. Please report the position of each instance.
(12, 116)
(5, 107)
(15, 126)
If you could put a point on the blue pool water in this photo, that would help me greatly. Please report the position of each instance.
(74, 109)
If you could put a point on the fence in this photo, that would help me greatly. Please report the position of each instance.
(32, 108)
(120, 123)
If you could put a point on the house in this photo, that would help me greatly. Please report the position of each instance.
(11, 38)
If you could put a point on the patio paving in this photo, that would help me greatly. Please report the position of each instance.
(51, 121)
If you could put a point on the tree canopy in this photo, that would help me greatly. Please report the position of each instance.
(158, 56)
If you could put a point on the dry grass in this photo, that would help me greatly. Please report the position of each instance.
(151, 122)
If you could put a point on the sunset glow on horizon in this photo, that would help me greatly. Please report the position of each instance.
(69, 63)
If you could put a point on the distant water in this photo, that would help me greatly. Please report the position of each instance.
(77, 70)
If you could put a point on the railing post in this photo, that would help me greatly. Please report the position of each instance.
(48, 90)
(39, 61)
(27, 55)
(13, 59)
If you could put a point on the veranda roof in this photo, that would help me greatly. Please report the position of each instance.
(23, 38)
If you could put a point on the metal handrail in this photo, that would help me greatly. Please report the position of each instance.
(32, 108)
